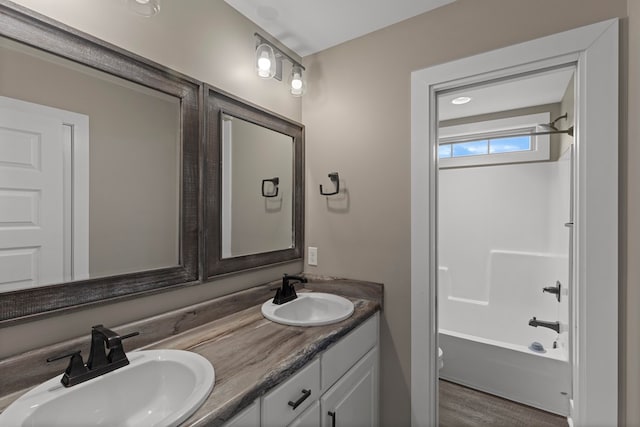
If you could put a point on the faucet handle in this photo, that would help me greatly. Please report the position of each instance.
(117, 353)
(63, 356)
(132, 334)
(75, 369)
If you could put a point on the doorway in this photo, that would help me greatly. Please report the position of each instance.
(505, 162)
(593, 49)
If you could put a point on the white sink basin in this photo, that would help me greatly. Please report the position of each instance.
(158, 388)
(309, 309)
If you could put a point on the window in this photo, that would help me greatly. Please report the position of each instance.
(493, 142)
(505, 144)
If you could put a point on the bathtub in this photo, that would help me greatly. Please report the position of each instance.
(485, 340)
(508, 370)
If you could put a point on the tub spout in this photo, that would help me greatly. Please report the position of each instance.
(544, 324)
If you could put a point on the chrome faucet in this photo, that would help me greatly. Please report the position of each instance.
(287, 292)
(99, 362)
(544, 324)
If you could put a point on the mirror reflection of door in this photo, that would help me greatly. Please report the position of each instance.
(504, 197)
(257, 184)
(39, 242)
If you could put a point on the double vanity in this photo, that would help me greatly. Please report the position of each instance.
(266, 373)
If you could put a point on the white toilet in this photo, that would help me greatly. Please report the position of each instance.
(440, 362)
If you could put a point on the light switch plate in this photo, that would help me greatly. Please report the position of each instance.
(312, 258)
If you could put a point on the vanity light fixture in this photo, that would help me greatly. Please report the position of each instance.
(146, 8)
(460, 100)
(297, 83)
(269, 65)
(265, 61)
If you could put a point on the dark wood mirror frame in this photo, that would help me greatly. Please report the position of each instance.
(25, 26)
(217, 103)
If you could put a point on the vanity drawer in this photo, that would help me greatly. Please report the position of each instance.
(276, 410)
(337, 360)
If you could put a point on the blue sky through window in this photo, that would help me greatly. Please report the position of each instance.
(510, 144)
(472, 148)
(444, 151)
(485, 146)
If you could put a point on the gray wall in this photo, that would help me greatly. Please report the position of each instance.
(357, 116)
(567, 105)
(630, 218)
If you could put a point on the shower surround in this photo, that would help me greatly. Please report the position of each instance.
(502, 239)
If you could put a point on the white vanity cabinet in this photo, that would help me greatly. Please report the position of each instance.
(342, 381)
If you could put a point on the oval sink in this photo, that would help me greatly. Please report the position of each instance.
(157, 388)
(309, 309)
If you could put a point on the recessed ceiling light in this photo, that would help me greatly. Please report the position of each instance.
(460, 100)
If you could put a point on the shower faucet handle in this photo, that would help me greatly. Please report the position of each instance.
(554, 289)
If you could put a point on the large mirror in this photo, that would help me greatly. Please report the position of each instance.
(255, 186)
(98, 170)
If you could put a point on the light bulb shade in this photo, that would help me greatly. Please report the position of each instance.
(265, 61)
(297, 82)
(144, 8)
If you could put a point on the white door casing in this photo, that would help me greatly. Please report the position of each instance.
(594, 50)
(43, 195)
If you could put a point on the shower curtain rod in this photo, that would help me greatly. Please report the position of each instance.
(504, 134)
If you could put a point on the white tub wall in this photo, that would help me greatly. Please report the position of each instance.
(559, 238)
(496, 251)
(491, 207)
(514, 298)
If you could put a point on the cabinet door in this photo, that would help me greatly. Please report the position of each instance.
(310, 417)
(342, 356)
(250, 417)
(353, 400)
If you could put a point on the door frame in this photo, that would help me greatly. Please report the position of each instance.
(594, 50)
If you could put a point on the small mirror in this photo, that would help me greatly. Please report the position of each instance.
(255, 186)
(257, 178)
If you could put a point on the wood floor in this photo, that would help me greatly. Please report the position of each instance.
(464, 407)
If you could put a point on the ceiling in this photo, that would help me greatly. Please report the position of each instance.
(307, 26)
(539, 89)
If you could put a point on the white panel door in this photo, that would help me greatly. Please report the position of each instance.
(31, 199)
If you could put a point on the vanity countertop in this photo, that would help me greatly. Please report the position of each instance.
(251, 354)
